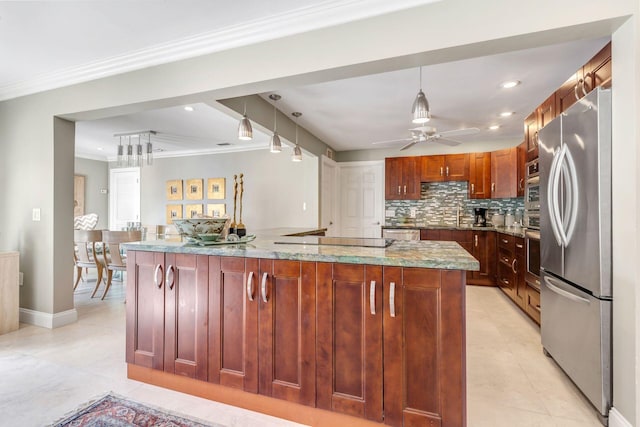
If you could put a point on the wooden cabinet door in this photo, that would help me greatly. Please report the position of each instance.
(185, 337)
(233, 322)
(145, 309)
(521, 153)
(456, 167)
(424, 347)
(393, 178)
(597, 72)
(287, 330)
(411, 178)
(504, 166)
(546, 112)
(531, 135)
(432, 168)
(569, 92)
(349, 352)
(520, 294)
(479, 175)
(484, 250)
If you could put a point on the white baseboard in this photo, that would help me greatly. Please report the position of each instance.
(617, 420)
(48, 320)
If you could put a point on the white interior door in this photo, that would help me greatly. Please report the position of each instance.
(361, 199)
(329, 213)
(124, 197)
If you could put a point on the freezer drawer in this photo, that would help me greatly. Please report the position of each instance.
(576, 332)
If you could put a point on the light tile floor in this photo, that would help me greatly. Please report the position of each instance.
(45, 373)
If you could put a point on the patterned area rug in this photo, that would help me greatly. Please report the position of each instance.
(116, 411)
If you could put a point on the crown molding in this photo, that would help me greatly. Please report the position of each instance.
(325, 14)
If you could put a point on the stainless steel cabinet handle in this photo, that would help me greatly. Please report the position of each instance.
(505, 241)
(521, 183)
(473, 188)
(505, 259)
(493, 186)
(447, 170)
(519, 246)
(536, 140)
(475, 238)
(440, 170)
(263, 287)
(392, 299)
(372, 297)
(250, 286)
(505, 281)
(170, 273)
(399, 187)
(513, 266)
(156, 281)
(405, 189)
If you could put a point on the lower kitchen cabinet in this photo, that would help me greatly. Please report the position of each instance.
(233, 322)
(424, 352)
(287, 330)
(167, 312)
(484, 250)
(511, 269)
(349, 353)
(533, 303)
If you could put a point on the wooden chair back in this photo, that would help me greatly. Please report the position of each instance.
(112, 239)
(85, 241)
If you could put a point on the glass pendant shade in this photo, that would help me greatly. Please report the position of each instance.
(129, 157)
(275, 146)
(149, 153)
(420, 111)
(297, 154)
(119, 159)
(245, 132)
(139, 157)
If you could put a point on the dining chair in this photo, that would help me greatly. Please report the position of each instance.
(113, 258)
(85, 254)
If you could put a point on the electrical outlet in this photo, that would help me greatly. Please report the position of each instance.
(412, 212)
(20, 278)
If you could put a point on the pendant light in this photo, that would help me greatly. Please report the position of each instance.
(139, 157)
(120, 158)
(420, 111)
(297, 151)
(275, 146)
(130, 153)
(245, 132)
(149, 150)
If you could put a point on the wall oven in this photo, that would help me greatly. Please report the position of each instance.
(532, 245)
(532, 196)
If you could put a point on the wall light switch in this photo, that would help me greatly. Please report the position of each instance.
(103, 191)
(36, 214)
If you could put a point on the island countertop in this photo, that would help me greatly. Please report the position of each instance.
(423, 254)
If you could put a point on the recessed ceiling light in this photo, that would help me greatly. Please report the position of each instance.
(507, 113)
(509, 84)
(494, 127)
(99, 148)
(188, 108)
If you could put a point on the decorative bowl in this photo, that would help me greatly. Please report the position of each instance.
(196, 227)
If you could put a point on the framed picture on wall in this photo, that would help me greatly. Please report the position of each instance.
(194, 189)
(78, 195)
(193, 211)
(173, 212)
(174, 189)
(216, 209)
(215, 188)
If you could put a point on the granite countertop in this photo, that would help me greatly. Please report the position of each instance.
(425, 254)
(518, 232)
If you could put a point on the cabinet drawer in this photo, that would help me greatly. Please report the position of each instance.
(533, 304)
(506, 277)
(505, 257)
(519, 244)
(506, 241)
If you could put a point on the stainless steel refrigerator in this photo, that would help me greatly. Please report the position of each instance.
(575, 244)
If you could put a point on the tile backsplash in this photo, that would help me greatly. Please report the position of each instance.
(438, 205)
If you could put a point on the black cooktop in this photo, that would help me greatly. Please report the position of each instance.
(362, 242)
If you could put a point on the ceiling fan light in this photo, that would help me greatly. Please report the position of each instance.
(420, 110)
(275, 146)
(297, 154)
(245, 132)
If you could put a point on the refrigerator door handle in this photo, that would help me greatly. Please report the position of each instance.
(552, 287)
(553, 197)
(573, 192)
(561, 170)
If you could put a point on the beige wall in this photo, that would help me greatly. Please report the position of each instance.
(37, 169)
(96, 173)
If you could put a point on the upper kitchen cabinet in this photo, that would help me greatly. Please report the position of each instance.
(504, 168)
(479, 175)
(570, 91)
(522, 160)
(402, 178)
(536, 121)
(453, 167)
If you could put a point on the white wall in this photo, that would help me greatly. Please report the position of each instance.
(275, 188)
(96, 175)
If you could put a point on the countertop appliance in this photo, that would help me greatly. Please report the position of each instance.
(480, 217)
(400, 234)
(575, 245)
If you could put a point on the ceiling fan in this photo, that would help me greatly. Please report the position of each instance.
(428, 134)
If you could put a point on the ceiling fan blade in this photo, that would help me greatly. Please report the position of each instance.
(460, 132)
(447, 141)
(391, 140)
(411, 144)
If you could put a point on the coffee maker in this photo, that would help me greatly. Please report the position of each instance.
(480, 217)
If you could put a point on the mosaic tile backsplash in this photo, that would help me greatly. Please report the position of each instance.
(439, 204)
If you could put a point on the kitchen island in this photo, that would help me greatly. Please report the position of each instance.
(318, 334)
